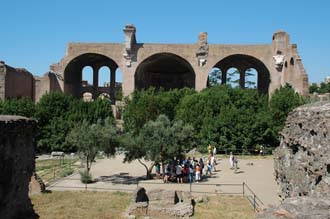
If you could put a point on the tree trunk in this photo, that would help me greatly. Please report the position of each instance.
(148, 175)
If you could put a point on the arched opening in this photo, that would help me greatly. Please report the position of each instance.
(251, 78)
(215, 77)
(100, 68)
(244, 71)
(87, 76)
(291, 61)
(104, 77)
(233, 77)
(164, 70)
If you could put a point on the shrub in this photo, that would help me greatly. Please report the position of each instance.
(85, 177)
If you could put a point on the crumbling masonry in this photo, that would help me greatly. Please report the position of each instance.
(17, 152)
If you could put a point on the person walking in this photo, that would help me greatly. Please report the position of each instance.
(208, 168)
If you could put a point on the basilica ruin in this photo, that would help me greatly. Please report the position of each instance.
(169, 66)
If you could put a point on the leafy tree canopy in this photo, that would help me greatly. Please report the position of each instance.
(159, 141)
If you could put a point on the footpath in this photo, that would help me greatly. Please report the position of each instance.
(113, 174)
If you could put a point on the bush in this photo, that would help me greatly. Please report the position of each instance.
(85, 177)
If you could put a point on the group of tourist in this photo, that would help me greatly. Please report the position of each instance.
(188, 170)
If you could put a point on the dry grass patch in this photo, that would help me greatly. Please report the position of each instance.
(106, 205)
(226, 207)
(81, 205)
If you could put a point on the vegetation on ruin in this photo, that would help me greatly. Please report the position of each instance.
(113, 205)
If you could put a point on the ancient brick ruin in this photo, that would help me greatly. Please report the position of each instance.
(161, 204)
(17, 150)
(144, 65)
(302, 164)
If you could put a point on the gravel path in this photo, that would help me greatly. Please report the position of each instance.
(116, 175)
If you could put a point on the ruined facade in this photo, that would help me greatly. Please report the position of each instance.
(17, 151)
(15, 82)
(173, 65)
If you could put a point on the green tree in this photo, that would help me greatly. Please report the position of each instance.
(89, 139)
(159, 141)
(234, 119)
(283, 101)
(21, 107)
(314, 88)
(57, 113)
(324, 88)
(147, 105)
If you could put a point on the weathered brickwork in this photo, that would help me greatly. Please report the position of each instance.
(143, 65)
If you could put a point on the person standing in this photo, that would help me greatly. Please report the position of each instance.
(214, 151)
(213, 163)
(231, 161)
(178, 172)
(167, 173)
(201, 163)
(198, 173)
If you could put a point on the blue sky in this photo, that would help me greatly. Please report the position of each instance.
(34, 34)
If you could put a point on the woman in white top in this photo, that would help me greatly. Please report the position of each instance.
(231, 160)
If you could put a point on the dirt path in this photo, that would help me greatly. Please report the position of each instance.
(122, 176)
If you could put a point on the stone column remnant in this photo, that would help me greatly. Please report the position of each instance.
(130, 42)
(17, 153)
(203, 49)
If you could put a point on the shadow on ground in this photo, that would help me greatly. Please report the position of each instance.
(122, 178)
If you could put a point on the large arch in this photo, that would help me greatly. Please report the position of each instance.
(73, 82)
(165, 70)
(243, 63)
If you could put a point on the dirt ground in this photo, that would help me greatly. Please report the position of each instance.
(112, 173)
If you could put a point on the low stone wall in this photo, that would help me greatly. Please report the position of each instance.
(17, 152)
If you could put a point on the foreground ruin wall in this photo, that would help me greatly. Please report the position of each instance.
(17, 151)
(302, 164)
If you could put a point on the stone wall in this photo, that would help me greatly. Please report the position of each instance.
(302, 164)
(15, 82)
(17, 152)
